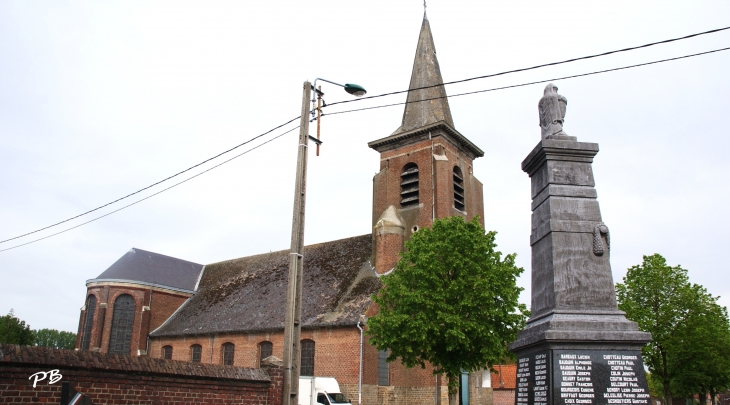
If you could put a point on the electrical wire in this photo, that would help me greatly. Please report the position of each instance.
(394, 104)
(152, 195)
(666, 41)
(154, 184)
(529, 83)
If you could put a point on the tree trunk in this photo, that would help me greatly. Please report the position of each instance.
(667, 393)
(665, 380)
(713, 393)
(453, 389)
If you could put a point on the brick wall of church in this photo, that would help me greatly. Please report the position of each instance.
(162, 304)
(387, 251)
(336, 350)
(438, 188)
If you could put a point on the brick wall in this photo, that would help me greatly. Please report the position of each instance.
(386, 184)
(161, 306)
(387, 251)
(504, 396)
(336, 350)
(122, 379)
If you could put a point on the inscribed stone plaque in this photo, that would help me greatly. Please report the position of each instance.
(581, 377)
(532, 378)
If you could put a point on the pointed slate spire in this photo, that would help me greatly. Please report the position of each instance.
(425, 73)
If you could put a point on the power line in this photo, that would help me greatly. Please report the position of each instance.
(666, 41)
(152, 195)
(394, 104)
(154, 184)
(370, 108)
(529, 83)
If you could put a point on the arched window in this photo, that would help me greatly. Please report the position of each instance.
(122, 320)
(307, 360)
(409, 185)
(265, 349)
(88, 322)
(228, 349)
(458, 189)
(383, 368)
(167, 352)
(195, 352)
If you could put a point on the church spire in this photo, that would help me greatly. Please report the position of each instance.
(425, 73)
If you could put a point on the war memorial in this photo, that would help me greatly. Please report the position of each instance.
(577, 346)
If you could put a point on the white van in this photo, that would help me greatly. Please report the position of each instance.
(320, 391)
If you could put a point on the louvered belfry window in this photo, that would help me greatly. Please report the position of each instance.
(122, 321)
(195, 352)
(265, 349)
(88, 322)
(458, 189)
(409, 186)
(228, 349)
(167, 352)
(307, 360)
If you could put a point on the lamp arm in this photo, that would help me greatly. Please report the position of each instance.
(325, 80)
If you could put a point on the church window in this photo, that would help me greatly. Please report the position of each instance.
(265, 349)
(88, 322)
(409, 185)
(458, 189)
(307, 360)
(122, 320)
(167, 352)
(383, 368)
(195, 352)
(228, 349)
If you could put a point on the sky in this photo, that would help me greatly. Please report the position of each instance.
(101, 99)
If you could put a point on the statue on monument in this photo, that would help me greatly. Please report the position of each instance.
(577, 348)
(552, 112)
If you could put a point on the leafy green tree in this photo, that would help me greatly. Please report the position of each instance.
(451, 301)
(701, 349)
(689, 352)
(656, 389)
(655, 295)
(54, 338)
(14, 331)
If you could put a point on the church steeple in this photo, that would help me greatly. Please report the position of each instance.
(426, 72)
(425, 165)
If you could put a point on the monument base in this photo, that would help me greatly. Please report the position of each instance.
(578, 327)
(555, 373)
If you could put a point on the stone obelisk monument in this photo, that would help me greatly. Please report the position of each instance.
(577, 347)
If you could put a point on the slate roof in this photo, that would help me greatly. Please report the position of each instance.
(249, 294)
(429, 105)
(426, 109)
(153, 268)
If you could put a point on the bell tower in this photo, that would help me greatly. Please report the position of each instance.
(425, 165)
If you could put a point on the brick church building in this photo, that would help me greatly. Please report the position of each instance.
(232, 312)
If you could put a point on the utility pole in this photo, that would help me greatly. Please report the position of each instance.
(292, 320)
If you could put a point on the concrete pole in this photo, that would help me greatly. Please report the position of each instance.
(292, 319)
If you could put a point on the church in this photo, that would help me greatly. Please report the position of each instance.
(232, 312)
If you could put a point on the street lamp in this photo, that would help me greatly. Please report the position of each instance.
(292, 318)
(354, 89)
